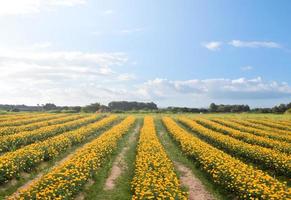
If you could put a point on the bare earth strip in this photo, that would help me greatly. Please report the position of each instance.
(196, 189)
(118, 166)
(119, 163)
(30, 182)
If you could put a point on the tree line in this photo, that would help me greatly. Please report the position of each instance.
(133, 106)
(114, 106)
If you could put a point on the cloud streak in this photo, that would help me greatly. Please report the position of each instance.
(216, 45)
(254, 44)
(241, 88)
(213, 46)
(34, 76)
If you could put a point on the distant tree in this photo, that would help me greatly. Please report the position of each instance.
(281, 108)
(213, 107)
(228, 108)
(14, 110)
(76, 108)
(104, 108)
(92, 108)
(49, 106)
(66, 108)
(288, 111)
(130, 106)
(183, 110)
(261, 110)
(239, 108)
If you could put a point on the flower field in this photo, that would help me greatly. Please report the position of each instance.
(70, 156)
(155, 177)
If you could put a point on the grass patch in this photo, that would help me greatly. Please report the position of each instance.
(259, 166)
(177, 155)
(122, 189)
(44, 167)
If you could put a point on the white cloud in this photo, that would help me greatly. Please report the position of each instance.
(22, 7)
(63, 58)
(241, 88)
(213, 46)
(254, 44)
(32, 76)
(79, 78)
(247, 68)
(126, 77)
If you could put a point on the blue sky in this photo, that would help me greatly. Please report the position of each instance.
(175, 53)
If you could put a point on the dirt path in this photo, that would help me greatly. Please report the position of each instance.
(31, 182)
(119, 163)
(196, 189)
(26, 185)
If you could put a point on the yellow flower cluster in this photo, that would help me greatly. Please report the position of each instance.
(67, 178)
(27, 157)
(237, 177)
(18, 116)
(155, 177)
(284, 147)
(261, 130)
(270, 123)
(13, 142)
(56, 119)
(27, 120)
(268, 158)
(284, 123)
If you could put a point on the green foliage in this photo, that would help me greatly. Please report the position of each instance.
(183, 110)
(288, 111)
(3, 112)
(129, 106)
(68, 111)
(54, 111)
(228, 108)
(92, 108)
(281, 108)
(49, 106)
(14, 110)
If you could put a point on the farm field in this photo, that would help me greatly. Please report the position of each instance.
(145, 156)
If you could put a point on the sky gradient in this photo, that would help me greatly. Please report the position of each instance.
(175, 53)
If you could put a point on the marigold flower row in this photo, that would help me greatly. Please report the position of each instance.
(284, 122)
(279, 162)
(237, 177)
(260, 130)
(12, 163)
(154, 172)
(284, 147)
(271, 124)
(67, 179)
(15, 141)
(18, 116)
(28, 120)
(57, 119)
